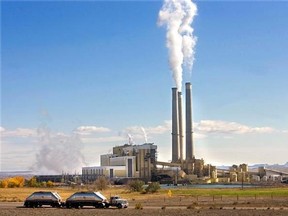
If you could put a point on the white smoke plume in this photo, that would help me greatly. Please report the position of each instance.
(130, 139)
(144, 134)
(58, 152)
(178, 16)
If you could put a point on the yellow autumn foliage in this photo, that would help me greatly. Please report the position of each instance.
(17, 181)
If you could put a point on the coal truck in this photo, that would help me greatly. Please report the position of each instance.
(40, 198)
(94, 199)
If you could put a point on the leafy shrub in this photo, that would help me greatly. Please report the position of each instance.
(12, 183)
(32, 182)
(138, 206)
(4, 183)
(17, 181)
(191, 207)
(49, 184)
(136, 185)
(153, 187)
(101, 183)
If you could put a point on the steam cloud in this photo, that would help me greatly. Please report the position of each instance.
(58, 153)
(130, 139)
(178, 16)
(144, 134)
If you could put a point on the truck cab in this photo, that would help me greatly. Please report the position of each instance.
(118, 202)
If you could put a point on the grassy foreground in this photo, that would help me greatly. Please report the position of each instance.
(258, 191)
(20, 194)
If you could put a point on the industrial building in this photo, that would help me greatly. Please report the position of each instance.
(90, 174)
(126, 161)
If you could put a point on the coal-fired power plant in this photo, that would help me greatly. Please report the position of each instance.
(177, 125)
(140, 161)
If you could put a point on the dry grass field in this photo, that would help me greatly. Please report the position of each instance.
(180, 194)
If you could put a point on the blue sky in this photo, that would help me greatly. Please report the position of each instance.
(83, 75)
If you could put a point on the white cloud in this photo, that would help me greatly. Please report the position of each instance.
(159, 129)
(201, 129)
(103, 139)
(143, 134)
(2, 129)
(19, 132)
(87, 130)
(220, 127)
(27, 138)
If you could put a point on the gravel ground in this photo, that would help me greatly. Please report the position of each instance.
(149, 209)
(174, 206)
(131, 211)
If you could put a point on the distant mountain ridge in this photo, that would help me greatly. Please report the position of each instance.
(8, 174)
(278, 167)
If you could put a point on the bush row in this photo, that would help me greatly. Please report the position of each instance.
(19, 181)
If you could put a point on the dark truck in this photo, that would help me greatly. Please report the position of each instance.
(95, 199)
(40, 198)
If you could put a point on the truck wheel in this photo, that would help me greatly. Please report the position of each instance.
(119, 206)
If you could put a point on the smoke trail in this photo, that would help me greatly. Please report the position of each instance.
(144, 134)
(130, 139)
(178, 16)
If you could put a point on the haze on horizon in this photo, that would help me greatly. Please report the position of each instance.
(78, 78)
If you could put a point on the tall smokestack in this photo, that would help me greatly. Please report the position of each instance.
(175, 126)
(189, 123)
(181, 136)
